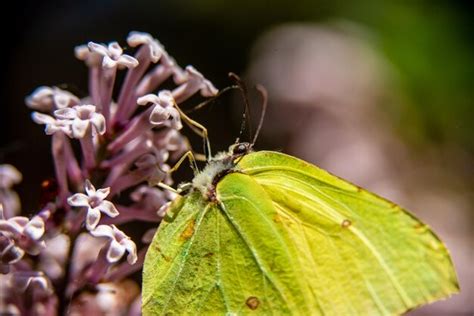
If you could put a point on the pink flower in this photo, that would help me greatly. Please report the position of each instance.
(46, 99)
(163, 109)
(192, 82)
(119, 243)
(81, 118)
(52, 125)
(156, 50)
(95, 203)
(113, 56)
(9, 253)
(18, 235)
(26, 279)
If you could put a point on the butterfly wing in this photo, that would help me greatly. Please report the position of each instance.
(227, 257)
(359, 253)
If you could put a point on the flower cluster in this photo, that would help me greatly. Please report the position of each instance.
(50, 262)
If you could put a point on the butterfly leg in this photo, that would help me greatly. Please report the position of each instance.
(198, 129)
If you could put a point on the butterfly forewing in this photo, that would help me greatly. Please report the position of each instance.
(224, 257)
(359, 253)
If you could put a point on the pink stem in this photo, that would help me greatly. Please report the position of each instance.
(107, 88)
(127, 99)
(121, 163)
(114, 174)
(128, 155)
(73, 169)
(184, 91)
(95, 73)
(98, 269)
(136, 127)
(128, 180)
(60, 167)
(88, 150)
(154, 79)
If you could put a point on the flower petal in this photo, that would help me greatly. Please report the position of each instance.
(63, 99)
(158, 115)
(8, 226)
(98, 121)
(175, 119)
(131, 249)
(90, 189)
(85, 110)
(108, 208)
(115, 252)
(98, 48)
(92, 59)
(166, 98)
(40, 99)
(155, 49)
(40, 118)
(12, 254)
(79, 128)
(19, 220)
(127, 61)
(149, 98)
(108, 62)
(78, 199)
(103, 231)
(101, 194)
(35, 228)
(92, 218)
(65, 113)
(40, 281)
(115, 50)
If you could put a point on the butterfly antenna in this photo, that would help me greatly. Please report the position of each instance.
(212, 99)
(264, 96)
(246, 115)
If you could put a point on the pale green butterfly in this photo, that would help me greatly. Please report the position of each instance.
(265, 233)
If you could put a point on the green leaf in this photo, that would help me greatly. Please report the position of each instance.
(284, 237)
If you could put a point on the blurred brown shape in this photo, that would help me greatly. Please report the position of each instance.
(334, 102)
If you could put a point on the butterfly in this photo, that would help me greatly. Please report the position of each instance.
(261, 232)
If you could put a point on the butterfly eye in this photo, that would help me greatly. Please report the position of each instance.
(241, 148)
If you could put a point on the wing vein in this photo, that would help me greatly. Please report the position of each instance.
(186, 252)
(339, 218)
(246, 243)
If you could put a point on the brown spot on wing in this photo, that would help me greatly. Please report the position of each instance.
(346, 223)
(277, 218)
(252, 302)
(162, 254)
(188, 231)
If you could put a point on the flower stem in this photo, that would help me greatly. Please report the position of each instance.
(88, 150)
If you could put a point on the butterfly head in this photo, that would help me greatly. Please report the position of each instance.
(240, 149)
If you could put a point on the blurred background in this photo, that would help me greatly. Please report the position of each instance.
(378, 92)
